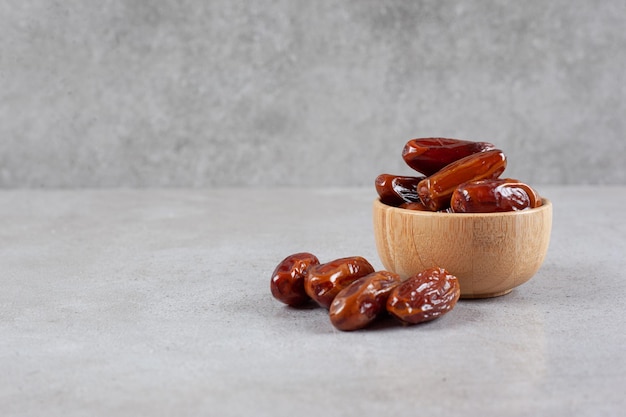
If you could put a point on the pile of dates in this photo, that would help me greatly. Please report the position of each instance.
(458, 176)
(356, 295)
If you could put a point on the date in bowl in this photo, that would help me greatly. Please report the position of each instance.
(490, 253)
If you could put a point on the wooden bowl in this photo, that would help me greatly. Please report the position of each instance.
(490, 253)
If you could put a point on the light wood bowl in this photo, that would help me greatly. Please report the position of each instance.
(490, 253)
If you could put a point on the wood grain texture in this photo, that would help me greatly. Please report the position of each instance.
(490, 253)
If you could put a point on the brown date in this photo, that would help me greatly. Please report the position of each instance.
(394, 190)
(361, 302)
(490, 196)
(287, 283)
(323, 282)
(425, 296)
(435, 191)
(429, 155)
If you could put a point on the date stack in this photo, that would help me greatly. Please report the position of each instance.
(458, 176)
(356, 295)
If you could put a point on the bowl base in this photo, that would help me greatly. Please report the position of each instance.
(487, 295)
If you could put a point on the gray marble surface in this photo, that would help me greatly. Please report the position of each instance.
(157, 302)
(196, 93)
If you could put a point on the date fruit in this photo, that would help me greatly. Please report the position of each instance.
(287, 283)
(361, 302)
(429, 155)
(323, 282)
(425, 296)
(490, 196)
(435, 191)
(394, 190)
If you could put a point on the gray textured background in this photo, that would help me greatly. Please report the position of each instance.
(219, 93)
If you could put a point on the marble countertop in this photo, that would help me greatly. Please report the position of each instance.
(157, 302)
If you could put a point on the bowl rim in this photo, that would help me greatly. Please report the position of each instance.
(546, 204)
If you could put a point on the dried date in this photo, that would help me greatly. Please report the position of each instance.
(435, 191)
(394, 190)
(429, 155)
(425, 296)
(287, 283)
(496, 195)
(323, 282)
(361, 302)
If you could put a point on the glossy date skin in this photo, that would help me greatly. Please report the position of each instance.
(394, 190)
(323, 282)
(287, 283)
(435, 191)
(491, 196)
(429, 155)
(424, 297)
(357, 305)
